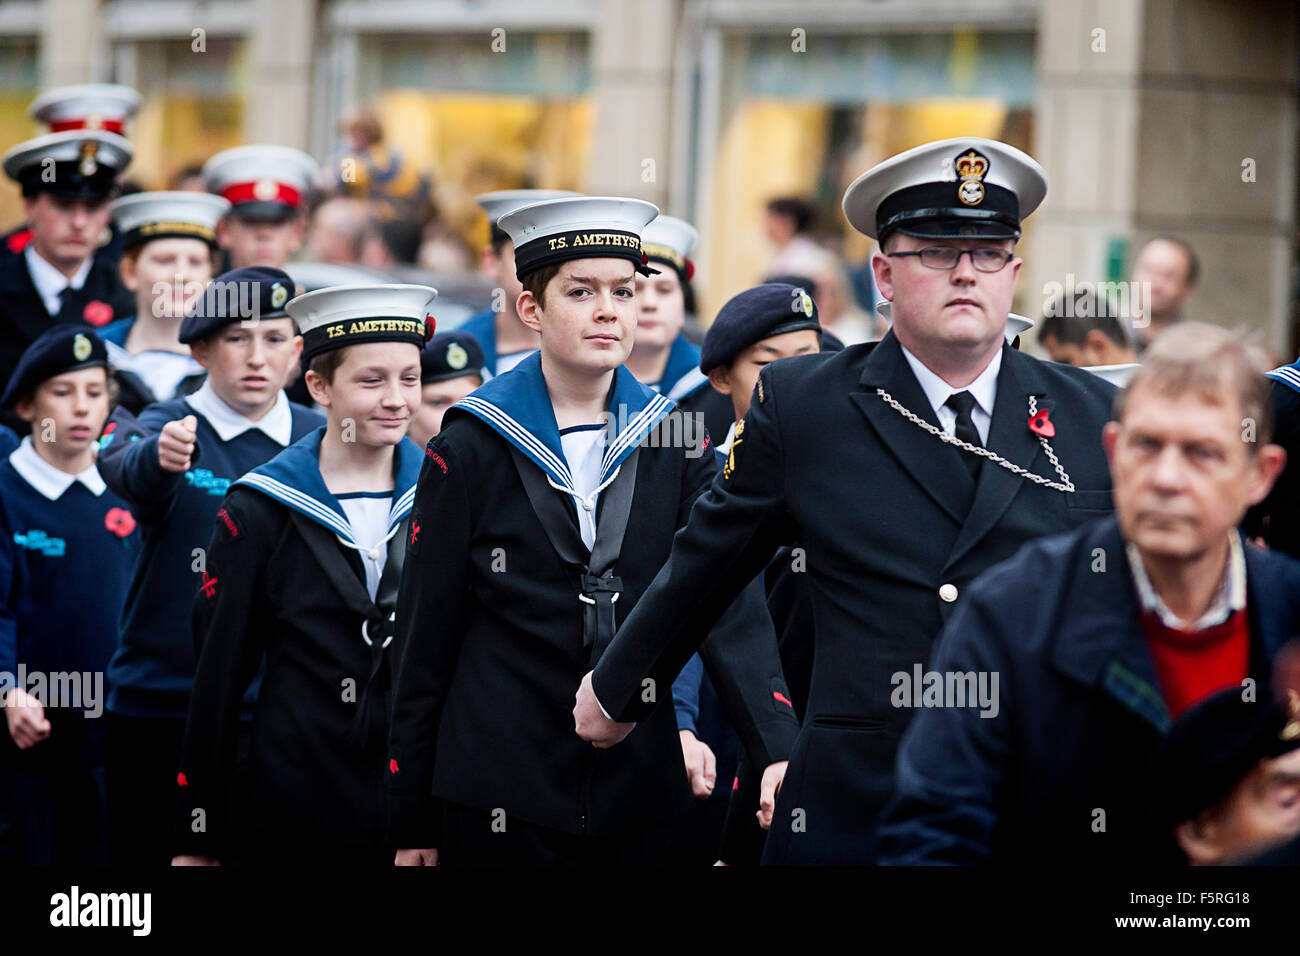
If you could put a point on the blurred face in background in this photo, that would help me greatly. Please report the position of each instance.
(260, 242)
(167, 276)
(661, 309)
(66, 231)
(1162, 270)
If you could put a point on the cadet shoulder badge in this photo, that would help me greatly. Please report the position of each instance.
(730, 468)
(972, 167)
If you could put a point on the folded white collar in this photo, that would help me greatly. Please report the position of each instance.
(48, 480)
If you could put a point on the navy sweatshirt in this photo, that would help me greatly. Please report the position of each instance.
(153, 669)
(64, 569)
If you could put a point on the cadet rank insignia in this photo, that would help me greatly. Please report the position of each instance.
(730, 468)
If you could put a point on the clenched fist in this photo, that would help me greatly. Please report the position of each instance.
(176, 444)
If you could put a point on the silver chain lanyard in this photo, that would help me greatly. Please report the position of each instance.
(1065, 484)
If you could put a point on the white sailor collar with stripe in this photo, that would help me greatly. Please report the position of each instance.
(1288, 375)
(293, 478)
(517, 406)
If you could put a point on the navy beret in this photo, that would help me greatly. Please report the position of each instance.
(451, 355)
(63, 348)
(756, 314)
(255, 292)
(1213, 746)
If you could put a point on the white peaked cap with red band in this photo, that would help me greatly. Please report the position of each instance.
(261, 174)
(104, 106)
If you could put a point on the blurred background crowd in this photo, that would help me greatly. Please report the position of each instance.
(748, 119)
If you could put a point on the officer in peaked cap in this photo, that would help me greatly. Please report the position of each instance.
(105, 106)
(903, 468)
(266, 187)
(67, 179)
(91, 106)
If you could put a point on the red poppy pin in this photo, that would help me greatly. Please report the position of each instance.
(1041, 424)
(19, 241)
(97, 313)
(120, 521)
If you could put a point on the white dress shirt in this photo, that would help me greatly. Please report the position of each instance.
(984, 390)
(368, 516)
(584, 446)
(48, 480)
(49, 281)
(277, 424)
(1229, 596)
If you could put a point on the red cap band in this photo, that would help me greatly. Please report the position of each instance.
(107, 125)
(260, 191)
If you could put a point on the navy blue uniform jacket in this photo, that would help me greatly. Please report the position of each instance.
(887, 515)
(1080, 710)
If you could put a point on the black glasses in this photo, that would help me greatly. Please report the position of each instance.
(947, 257)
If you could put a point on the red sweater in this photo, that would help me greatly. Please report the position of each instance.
(1191, 665)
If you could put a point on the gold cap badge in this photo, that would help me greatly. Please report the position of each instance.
(972, 167)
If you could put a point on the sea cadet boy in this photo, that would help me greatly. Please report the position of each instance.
(266, 187)
(303, 569)
(169, 241)
(545, 506)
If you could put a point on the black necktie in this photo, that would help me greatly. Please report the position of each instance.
(64, 293)
(962, 403)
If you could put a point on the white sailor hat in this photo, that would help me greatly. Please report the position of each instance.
(497, 204)
(143, 217)
(583, 227)
(77, 164)
(671, 240)
(352, 315)
(1016, 324)
(948, 189)
(261, 182)
(105, 106)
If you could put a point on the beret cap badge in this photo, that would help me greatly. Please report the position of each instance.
(80, 347)
(807, 303)
(279, 295)
(972, 167)
(457, 357)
